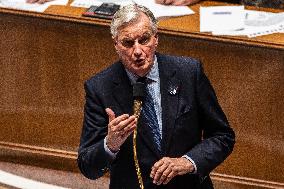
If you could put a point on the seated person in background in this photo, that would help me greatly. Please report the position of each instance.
(177, 2)
(278, 4)
(188, 2)
(38, 1)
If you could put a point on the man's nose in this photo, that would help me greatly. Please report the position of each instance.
(137, 49)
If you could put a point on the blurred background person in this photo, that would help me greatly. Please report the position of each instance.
(188, 2)
(38, 1)
(278, 4)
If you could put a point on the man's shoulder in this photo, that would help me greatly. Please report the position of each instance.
(178, 61)
(106, 75)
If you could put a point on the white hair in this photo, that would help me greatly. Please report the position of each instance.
(130, 13)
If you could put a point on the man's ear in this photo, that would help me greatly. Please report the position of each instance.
(115, 42)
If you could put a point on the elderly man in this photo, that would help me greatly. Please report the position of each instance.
(183, 133)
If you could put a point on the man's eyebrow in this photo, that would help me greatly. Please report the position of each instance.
(127, 38)
(126, 35)
(147, 33)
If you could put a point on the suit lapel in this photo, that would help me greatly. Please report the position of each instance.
(169, 87)
(122, 91)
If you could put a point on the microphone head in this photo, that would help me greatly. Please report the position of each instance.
(139, 90)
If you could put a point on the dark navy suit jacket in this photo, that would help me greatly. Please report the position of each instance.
(193, 124)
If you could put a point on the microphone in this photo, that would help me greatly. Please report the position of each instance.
(139, 91)
(138, 94)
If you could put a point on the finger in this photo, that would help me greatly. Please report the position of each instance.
(166, 175)
(124, 123)
(169, 177)
(130, 125)
(112, 126)
(118, 119)
(111, 114)
(161, 173)
(130, 130)
(156, 166)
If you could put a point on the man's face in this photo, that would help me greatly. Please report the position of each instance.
(136, 45)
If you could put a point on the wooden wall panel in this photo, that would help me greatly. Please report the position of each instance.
(42, 76)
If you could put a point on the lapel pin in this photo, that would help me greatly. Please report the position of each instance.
(173, 90)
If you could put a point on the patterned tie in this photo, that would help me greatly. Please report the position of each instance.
(149, 114)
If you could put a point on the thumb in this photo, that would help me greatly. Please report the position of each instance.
(110, 113)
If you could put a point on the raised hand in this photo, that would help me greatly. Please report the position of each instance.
(119, 128)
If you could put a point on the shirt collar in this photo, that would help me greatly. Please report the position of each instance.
(152, 75)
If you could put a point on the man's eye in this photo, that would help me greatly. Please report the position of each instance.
(127, 43)
(144, 40)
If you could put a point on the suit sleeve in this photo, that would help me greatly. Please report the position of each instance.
(218, 137)
(93, 160)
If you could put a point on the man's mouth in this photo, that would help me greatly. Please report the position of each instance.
(139, 61)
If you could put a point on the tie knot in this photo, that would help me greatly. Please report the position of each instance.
(142, 79)
(139, 88)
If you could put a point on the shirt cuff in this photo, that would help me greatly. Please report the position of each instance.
(108, 151)
(193, 163)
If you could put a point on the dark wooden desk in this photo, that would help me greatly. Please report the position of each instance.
(45, 58)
